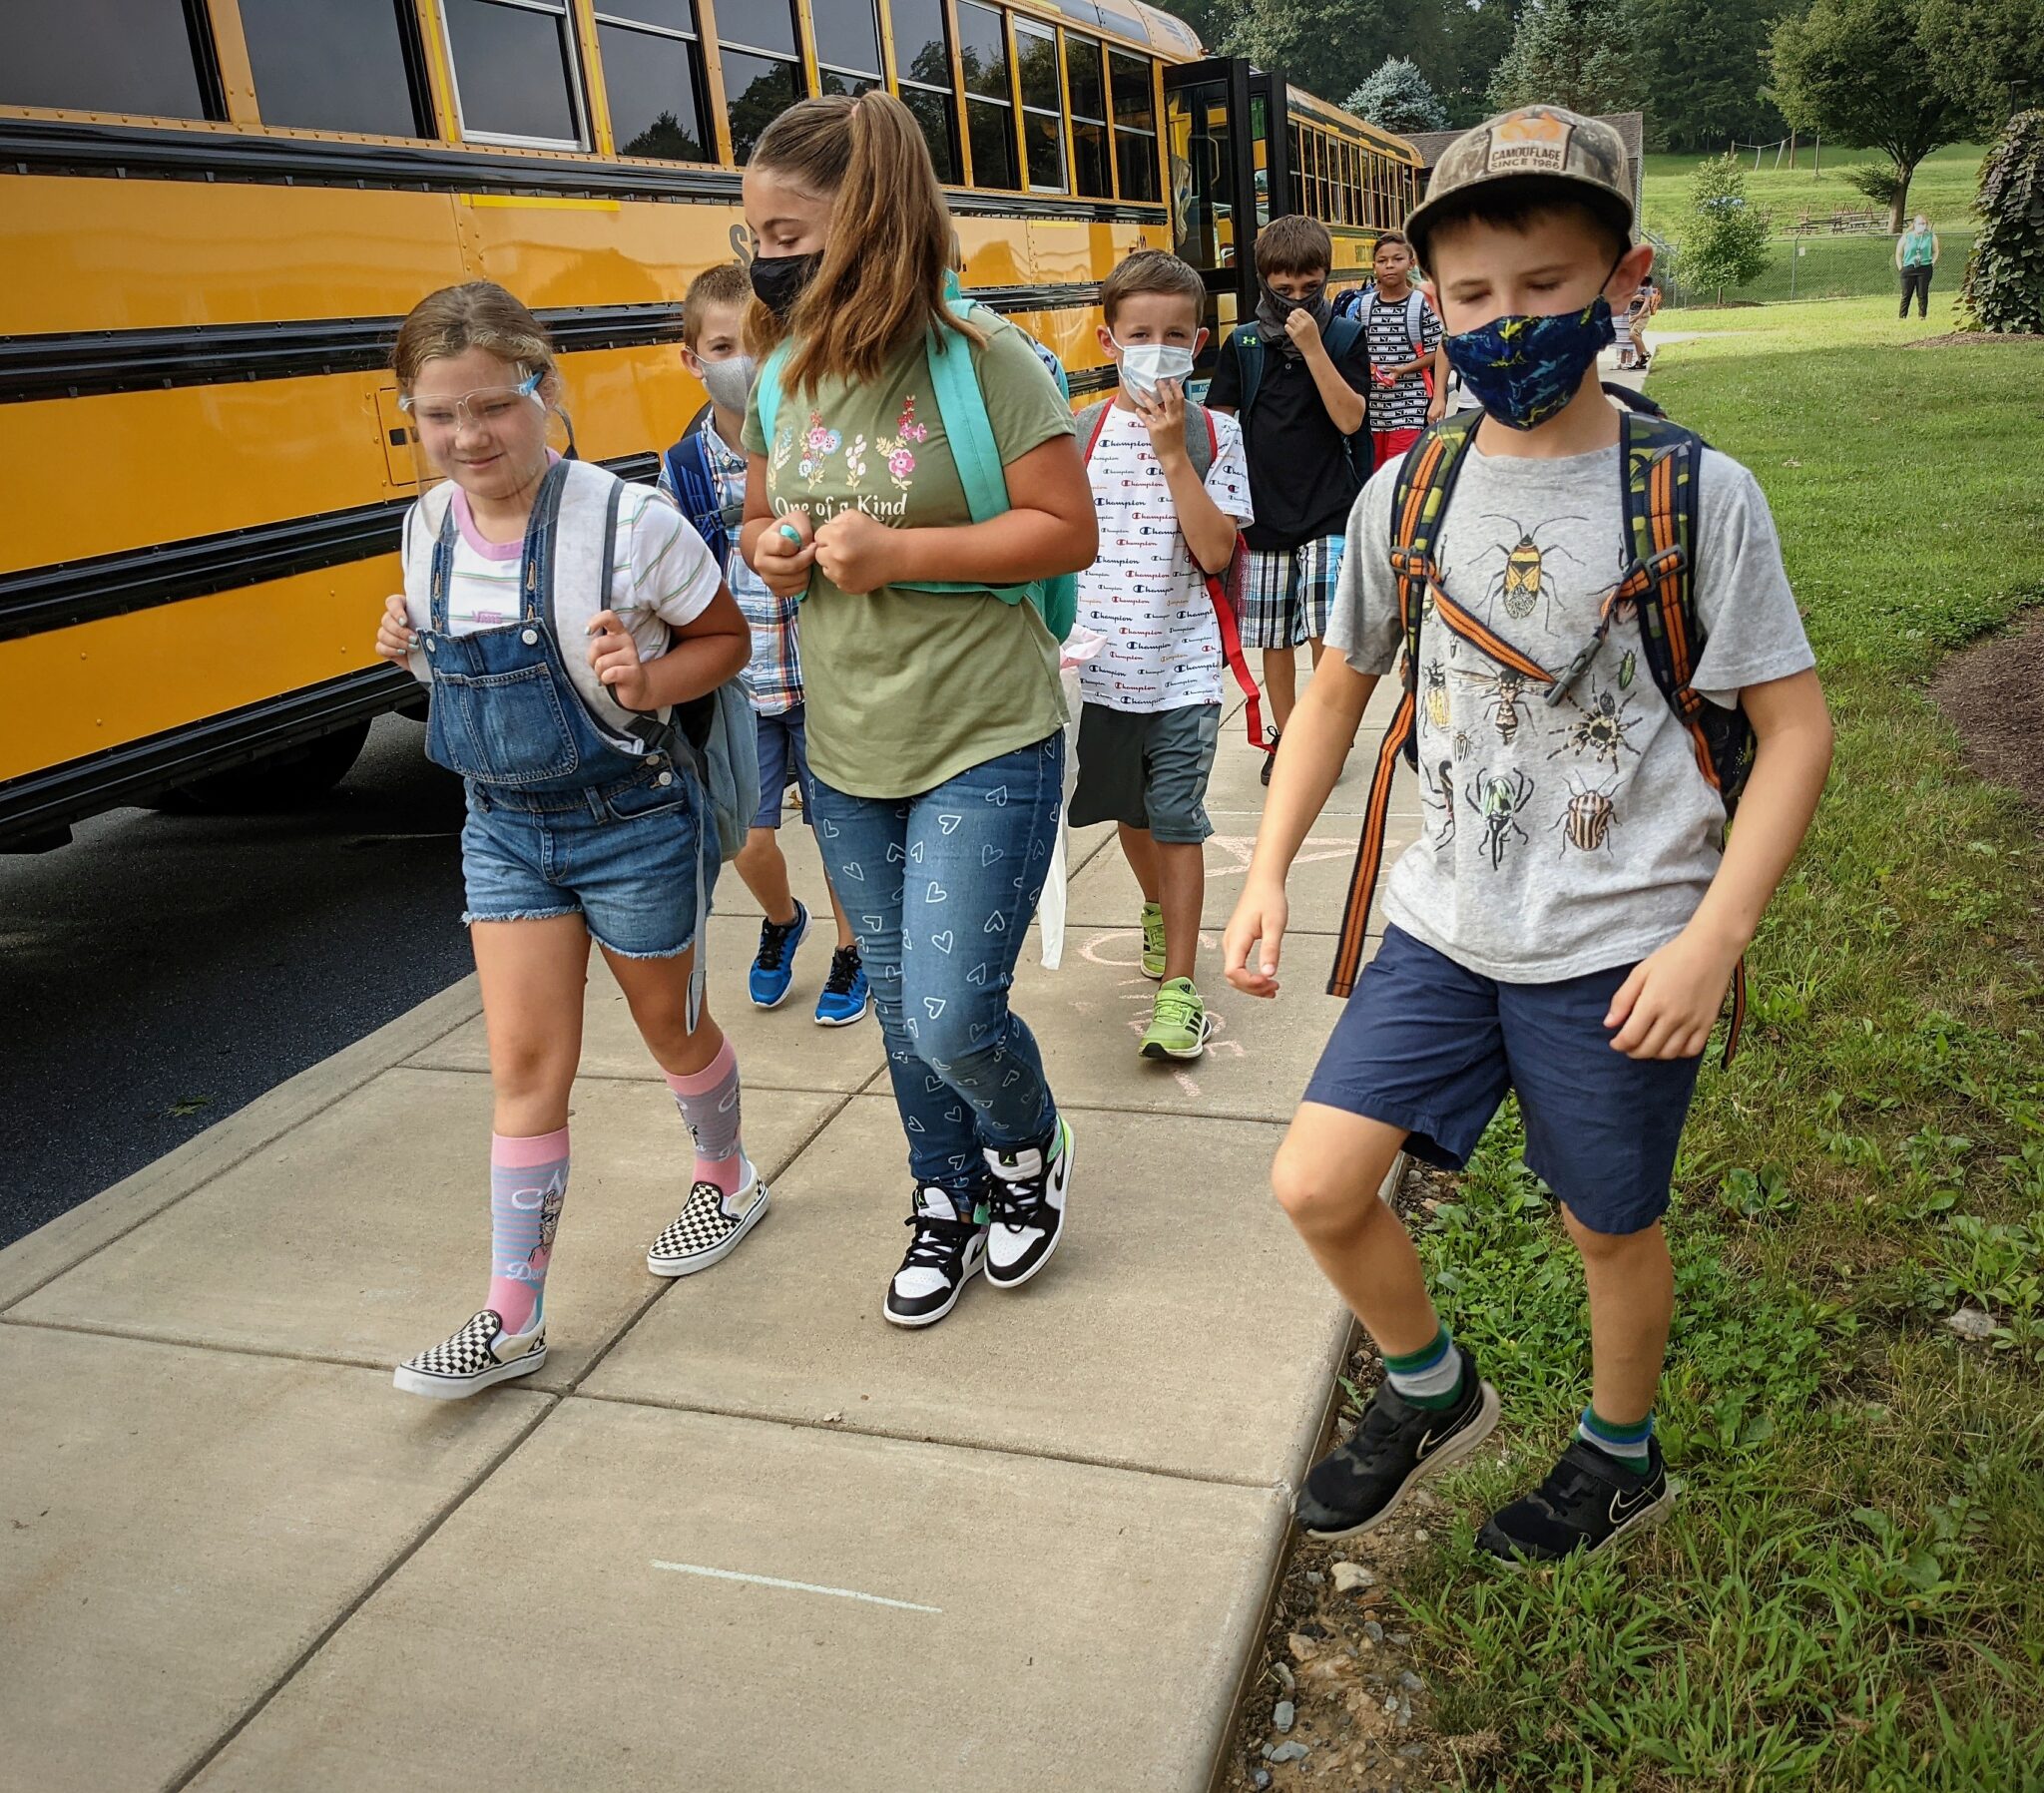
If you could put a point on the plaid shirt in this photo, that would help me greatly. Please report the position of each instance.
(776, 669)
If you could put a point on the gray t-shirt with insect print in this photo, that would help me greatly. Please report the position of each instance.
(1566, 840)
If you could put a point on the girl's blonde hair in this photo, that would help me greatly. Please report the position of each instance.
(881, 284)
(480, 314)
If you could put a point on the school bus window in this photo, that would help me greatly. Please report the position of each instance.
(144, 56)
(922, 70)
(1135, 125)
(335, 65)
(847, 45)
(1086, 79)
(514, 70)
(653, 74)
(989, 107)
(1043, 125)
(762, 73)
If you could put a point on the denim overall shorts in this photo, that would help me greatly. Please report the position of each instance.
(562, 818)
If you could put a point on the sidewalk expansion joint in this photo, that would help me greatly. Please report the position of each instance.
(369, 1592)
(1121, 1466)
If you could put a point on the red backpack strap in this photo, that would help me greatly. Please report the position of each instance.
(1224, 612)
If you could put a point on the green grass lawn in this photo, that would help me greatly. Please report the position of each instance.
(1830, 267)
(1849, 1597)
(1943, 186)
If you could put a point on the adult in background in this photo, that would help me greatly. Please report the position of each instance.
(1917, 253)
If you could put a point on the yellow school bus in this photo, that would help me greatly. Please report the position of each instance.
(214, 212)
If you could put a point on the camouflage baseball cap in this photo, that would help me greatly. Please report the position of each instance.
(1542, 142)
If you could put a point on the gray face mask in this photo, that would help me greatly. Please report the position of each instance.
(729, 382)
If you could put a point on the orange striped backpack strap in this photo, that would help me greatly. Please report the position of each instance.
(1426, 477)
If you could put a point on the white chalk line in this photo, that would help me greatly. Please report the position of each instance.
(843, 1593)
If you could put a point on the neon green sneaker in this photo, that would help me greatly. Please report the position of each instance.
(1178, 1024)
(1153, 941)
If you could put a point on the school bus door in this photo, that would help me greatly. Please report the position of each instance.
(1229, 174)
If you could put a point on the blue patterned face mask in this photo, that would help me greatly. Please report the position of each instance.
(1524, 369)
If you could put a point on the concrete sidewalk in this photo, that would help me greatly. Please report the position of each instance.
(739, 1534)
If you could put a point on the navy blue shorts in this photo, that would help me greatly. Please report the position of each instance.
(784, 759)
(1433, 1046)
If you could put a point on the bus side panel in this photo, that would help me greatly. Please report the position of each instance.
(128, 470)
(74, 692)
(102, 255)
(556, 253)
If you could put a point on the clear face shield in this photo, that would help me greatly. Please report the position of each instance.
(491, 440)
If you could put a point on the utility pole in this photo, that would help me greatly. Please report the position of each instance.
(1791, 149)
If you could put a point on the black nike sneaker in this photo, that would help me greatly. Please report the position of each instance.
(1360, 1483)
(1588, 1503)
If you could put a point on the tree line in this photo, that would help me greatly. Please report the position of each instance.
(1900, 75)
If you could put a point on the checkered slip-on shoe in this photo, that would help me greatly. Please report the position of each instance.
(481, 1353)
(706, 1231)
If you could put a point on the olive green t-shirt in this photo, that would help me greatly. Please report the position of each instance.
(907, 688)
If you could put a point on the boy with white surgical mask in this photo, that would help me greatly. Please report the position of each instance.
(1171, 492)
(705, 473)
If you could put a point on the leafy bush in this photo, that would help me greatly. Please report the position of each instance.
(1880, 182)
(1725, 242)
(2004, 286)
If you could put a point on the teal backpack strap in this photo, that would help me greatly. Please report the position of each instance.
(968, 428)
(769, 387)
(1340, 334)
(977, 456)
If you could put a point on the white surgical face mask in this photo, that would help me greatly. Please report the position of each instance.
(730, 381)
(1145, 363)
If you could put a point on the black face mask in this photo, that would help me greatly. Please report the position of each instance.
(778, 282)
(1272, 308)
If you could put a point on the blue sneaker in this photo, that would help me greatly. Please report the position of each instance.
(846, 996)
(773, 969)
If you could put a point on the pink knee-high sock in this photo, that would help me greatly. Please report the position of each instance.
(709, 1102)
(528, 1181)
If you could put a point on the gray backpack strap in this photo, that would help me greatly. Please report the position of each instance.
(1200, 436)
(651, 731)
(1087, 427)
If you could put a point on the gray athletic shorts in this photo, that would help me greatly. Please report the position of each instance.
(1149, 770)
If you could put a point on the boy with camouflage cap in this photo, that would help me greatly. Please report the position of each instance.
(1569, 920)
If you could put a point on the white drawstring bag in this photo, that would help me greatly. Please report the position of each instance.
(1080, 647)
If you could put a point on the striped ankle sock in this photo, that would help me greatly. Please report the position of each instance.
(709, 1102)
(1431, 1378)
(528, 1181)
(1626, 1443)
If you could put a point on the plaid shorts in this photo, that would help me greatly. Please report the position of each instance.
(1285, 592)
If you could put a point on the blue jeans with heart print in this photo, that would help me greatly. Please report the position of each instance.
(942, 888)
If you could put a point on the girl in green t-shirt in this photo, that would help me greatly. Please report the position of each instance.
(936, 722)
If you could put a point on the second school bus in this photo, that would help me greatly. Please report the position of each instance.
(217, 212)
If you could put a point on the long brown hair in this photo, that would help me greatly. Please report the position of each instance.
(480, 314)
(887, 248)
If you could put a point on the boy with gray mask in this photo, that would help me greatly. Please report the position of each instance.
(705, 475)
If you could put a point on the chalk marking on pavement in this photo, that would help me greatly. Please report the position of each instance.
(843, 1593)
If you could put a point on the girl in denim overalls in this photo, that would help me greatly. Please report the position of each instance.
(553, 692)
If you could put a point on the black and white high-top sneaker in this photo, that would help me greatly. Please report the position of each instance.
(945, 1254)
(1027, 1206)
(481, 1353)
(707, 1230)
